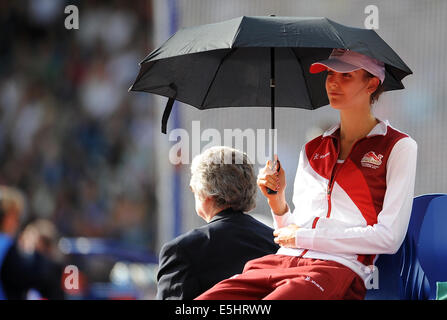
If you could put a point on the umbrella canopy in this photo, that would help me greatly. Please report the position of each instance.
(257, 62)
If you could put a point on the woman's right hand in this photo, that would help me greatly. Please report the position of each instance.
(276, 181)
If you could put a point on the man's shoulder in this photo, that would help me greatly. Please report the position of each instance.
(218, 230)
(239, 221)
(188, 239)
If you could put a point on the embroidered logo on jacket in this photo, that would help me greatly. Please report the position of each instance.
(318, 156)
(371, 160)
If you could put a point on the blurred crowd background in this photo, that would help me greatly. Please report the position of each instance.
(71, 137)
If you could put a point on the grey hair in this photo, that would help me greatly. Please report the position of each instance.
(226, 175)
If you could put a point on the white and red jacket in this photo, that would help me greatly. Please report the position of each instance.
(351, 211)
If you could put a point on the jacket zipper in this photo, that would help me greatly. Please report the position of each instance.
(331, 182)
(333, 174)
(329, 190)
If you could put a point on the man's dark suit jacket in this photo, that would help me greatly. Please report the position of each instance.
(194, 262)
(21, 272)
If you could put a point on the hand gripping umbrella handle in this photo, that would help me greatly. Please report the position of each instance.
(270, 191)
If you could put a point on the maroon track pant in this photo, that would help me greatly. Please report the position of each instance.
(281, 277)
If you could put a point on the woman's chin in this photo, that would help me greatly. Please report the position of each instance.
(335, 103)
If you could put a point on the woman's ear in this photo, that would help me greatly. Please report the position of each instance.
(373, 84)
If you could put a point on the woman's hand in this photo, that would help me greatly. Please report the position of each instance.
(286, 236)
(276, 181)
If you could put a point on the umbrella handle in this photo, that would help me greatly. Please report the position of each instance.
(270, 191)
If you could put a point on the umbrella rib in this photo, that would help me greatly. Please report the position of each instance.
(215, 74)
(144, 67)
(304, 77)
(336, 32)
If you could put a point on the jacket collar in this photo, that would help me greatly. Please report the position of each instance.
(380, 129)
(224, 213)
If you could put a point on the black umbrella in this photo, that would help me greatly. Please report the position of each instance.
(256, 61)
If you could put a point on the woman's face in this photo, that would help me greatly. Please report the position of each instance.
(347, 90)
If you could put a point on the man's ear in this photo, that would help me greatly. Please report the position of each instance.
(209, 199)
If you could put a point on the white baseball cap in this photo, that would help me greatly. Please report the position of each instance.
(342, 60)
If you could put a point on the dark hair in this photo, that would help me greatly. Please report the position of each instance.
(380, 89)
